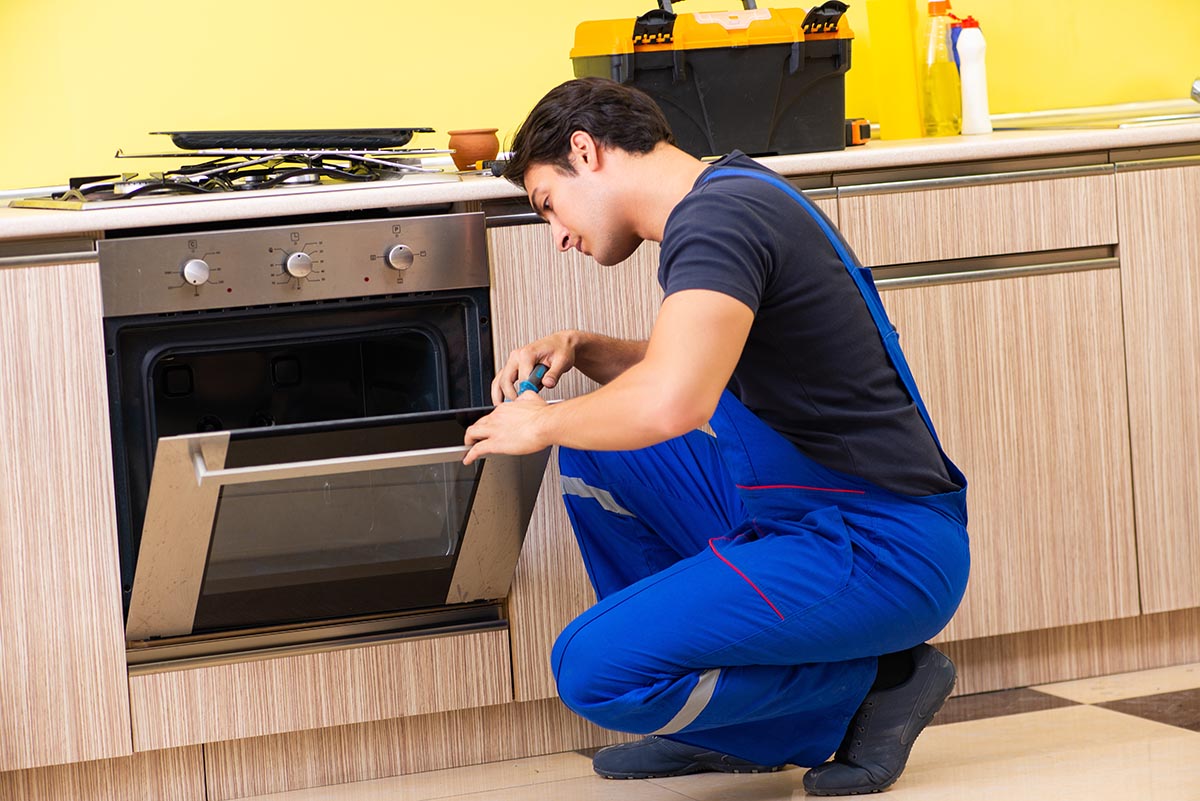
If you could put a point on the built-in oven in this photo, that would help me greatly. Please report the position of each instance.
(288, 406)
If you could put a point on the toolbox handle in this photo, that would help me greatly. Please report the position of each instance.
(825, 17)
(665, 5)
(657, 26)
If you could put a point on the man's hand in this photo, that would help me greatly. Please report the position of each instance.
(513, 428)
(556, 351)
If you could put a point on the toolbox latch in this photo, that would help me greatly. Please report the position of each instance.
(825, 17)
(654, 27)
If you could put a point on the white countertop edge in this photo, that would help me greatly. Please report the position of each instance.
(882, 154)
(34, 223)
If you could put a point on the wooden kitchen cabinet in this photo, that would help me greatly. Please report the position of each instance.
(1159, 209)
(535, 291)
(1024, 379)
(64, 695)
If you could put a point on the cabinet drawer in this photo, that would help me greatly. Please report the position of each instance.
(233, 700)
(960, 218)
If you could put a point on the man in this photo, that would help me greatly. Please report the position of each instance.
(764, 595)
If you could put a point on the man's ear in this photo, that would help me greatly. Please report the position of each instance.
(585, 152)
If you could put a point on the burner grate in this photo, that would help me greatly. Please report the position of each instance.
(248, 170)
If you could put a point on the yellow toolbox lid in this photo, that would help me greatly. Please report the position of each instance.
(759, 26)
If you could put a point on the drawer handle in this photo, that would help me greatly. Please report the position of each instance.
(77, 257)
(987, 179)
(1158, 164)
(986, 274)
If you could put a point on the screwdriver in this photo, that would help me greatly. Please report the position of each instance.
(534, 381)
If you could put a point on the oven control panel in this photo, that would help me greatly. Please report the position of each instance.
(285, 264)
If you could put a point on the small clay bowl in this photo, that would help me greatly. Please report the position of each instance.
(473, 145)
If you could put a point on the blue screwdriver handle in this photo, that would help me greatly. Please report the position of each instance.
(534, 381)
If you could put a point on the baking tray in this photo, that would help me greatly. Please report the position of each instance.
(298, 139)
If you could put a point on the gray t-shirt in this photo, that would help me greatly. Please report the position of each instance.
(814, 367)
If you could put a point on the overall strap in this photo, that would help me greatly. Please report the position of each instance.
(862, 279)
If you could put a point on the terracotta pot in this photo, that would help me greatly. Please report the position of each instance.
(472, 145)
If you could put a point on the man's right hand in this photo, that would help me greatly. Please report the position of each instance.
(556, 351)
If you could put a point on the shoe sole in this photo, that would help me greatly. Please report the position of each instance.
(688, 771)
(879, 788)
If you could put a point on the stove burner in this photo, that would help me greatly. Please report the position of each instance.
(249, 170)
(265, 178)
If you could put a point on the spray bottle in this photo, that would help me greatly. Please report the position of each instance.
(941, 91)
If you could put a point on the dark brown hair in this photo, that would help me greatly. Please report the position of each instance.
(613, 114)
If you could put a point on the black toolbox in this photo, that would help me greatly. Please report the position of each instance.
(763, 81)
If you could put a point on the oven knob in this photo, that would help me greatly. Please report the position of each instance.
(400, 257)
(195, 271)
(298, 264)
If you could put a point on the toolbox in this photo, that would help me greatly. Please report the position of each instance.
(763, 81)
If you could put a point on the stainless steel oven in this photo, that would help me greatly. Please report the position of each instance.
(288, 406)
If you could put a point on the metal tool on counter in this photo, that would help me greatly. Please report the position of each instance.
(858, 131)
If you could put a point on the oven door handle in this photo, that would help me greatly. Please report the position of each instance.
(322, 467)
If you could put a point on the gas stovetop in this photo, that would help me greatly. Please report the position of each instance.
(254, 161)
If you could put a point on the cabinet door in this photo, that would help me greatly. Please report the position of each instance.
(1024, 378)
(536, 291)
(64, 695)
(1160, 271)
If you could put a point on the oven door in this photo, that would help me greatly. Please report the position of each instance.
(269, 526)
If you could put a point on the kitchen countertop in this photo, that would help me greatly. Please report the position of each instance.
(33, 223)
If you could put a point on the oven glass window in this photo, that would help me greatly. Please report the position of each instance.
(331, 545)
(299, 531)
(391, 535)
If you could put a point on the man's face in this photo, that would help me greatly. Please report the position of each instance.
(583, 211)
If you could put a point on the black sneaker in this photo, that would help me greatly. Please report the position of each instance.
(881, 734)
(655, 758)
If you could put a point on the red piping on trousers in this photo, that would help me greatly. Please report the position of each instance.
(712, 544)
(800, 486)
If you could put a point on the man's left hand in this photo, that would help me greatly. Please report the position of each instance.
(512, 428)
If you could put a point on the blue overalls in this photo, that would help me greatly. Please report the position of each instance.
(745, 591)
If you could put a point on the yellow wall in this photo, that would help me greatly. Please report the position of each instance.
(80, 78)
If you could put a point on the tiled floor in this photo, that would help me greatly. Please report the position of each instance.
(1131, 737)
